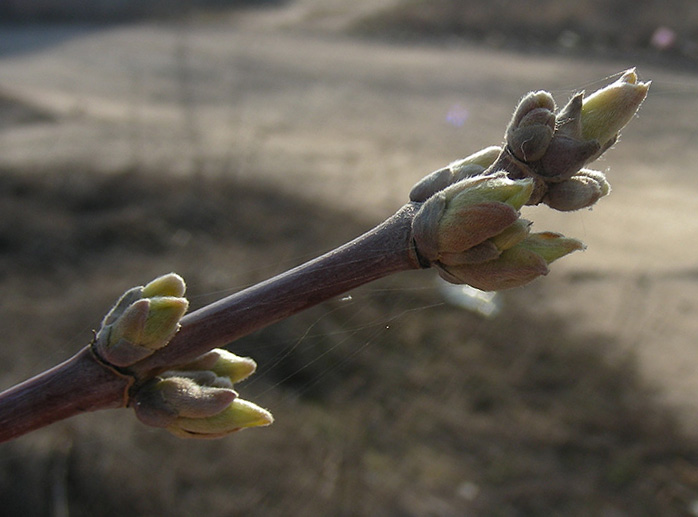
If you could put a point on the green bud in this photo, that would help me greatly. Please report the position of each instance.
(465, 215)
(126, 299)
(118, 343)
(224, 364)
(607, 111)
(479, 208)
(512, 235)
(192, 400)
(494, 187)
(201, 377)
(462, 228)
(515, 266)
(550, 246)
(129, 326)
(170, 284)
(144, 319)
(163, 320)
(237, 415)
(234, 367)
(482, 252)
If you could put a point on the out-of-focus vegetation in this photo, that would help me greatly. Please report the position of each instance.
(113, 10)
(616, 26)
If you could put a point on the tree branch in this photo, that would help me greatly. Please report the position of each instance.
(78, 385)
(462, 219)
(83, 383)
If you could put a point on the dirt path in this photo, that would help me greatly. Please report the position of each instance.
(355, 123)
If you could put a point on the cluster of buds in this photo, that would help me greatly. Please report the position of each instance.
(198, 401)
(195, 401)
(553, 149)
(472, 233)
(468, 224)
(143, 320)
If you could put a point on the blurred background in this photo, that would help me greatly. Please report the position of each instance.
(231, 140)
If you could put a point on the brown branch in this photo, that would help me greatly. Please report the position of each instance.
(544, 151)
(78, 385)
(83, 383)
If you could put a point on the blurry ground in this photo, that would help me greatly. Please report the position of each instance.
(231, 146)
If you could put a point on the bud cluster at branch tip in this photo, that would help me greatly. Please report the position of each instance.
(197, 399)
(553, 148)
(468, 224)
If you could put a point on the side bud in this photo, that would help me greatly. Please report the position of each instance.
(468, 213)
(473, 165)
(531, 128)
(161, 401)
(471, 232)
(580, 191)
(224, 364)
(143, 320)
(197, 399)
(515, 266)
(238, 415)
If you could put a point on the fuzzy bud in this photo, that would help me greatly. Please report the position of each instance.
(607, 111)
(515, 266)
(238, 415)
(143, 320)
(468, 213)
(473, 165)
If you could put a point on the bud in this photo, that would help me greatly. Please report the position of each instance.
(468, 213)
(224, 364)
(126, 299)
(192, 400)
(550, 246)
(166, 285)
(512, 235)
(163, 320)
(580, 191)
(234, 367)
(237, 415)
(581, 132)
(532, 126)
(607, 111)
(516, 266)
(143, 320)
(197, 400)
(473, 165)
(479, 161)
(161, 401)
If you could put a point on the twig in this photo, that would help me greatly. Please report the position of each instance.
(463, 220)
(83, 383)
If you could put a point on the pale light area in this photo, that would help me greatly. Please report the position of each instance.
(485, 303)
